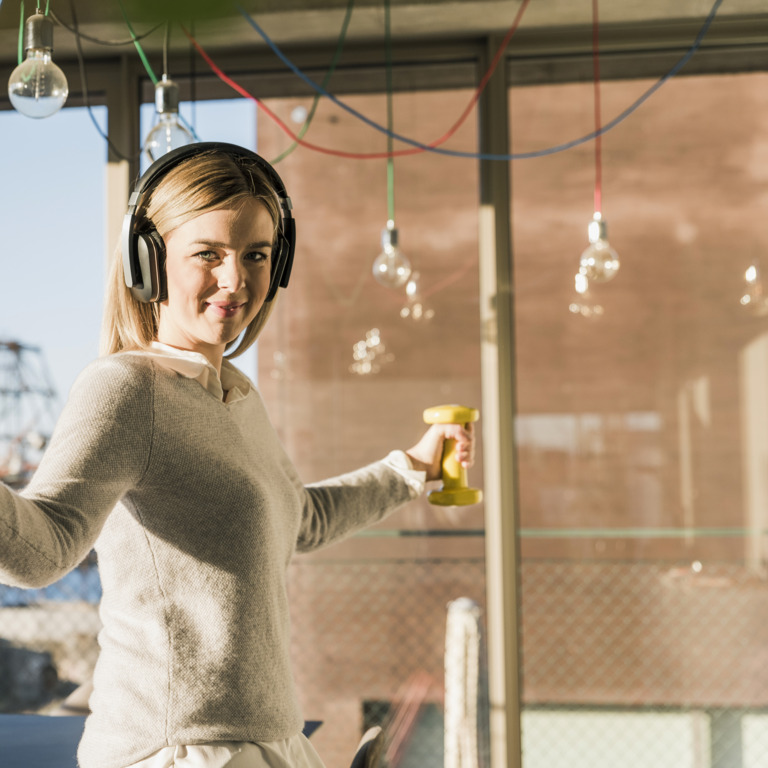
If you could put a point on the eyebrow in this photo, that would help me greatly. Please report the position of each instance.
(219, 244)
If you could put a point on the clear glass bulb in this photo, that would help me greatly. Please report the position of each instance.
(168, 133)
(599, 262)
(37, 87)
(391, 267)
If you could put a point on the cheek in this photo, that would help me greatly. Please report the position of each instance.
(259, 282)
(185, 285)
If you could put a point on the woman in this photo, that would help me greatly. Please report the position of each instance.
(165, 461)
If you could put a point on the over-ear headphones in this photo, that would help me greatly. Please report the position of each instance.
(143, 248)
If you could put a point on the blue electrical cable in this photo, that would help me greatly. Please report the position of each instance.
(480, 155)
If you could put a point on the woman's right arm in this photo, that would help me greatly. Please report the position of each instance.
(98, 451)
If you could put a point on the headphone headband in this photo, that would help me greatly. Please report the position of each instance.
(144, 252)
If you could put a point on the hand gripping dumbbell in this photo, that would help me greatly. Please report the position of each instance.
(454, 492)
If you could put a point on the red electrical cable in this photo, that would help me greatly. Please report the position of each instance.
(487, 76)
(598, 122)
(367, 155)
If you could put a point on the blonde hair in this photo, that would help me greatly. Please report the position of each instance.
(209, 181)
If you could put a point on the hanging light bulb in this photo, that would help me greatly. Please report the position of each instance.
(168, 133)
(754, 300)
(599, 262)
(37, 87)
(391, 268)
(583, 304)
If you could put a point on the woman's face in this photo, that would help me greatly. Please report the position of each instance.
(217, 269)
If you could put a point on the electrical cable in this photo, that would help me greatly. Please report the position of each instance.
(303, 142)
(193, 83)
(137, 45)
(166, 43)
(97, 40)
(316, 100)
(390, 112)
(598, 119)
(21, 34)
(84, 84)
(420, 147)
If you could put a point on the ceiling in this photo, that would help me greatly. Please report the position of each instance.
(552, 25)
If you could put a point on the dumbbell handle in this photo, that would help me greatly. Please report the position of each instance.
(455, 490)
(454, 474)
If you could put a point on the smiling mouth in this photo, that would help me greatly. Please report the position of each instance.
(225, 310)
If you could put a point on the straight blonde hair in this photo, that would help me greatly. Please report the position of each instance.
(206, 182)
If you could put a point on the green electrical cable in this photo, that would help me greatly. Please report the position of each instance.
(136, 42)
(21, 33)
(390, 129)
(326, 80)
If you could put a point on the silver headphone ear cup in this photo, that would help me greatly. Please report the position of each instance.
(150, 254)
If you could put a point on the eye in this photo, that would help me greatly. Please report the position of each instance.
(206, 256)
(257, 256)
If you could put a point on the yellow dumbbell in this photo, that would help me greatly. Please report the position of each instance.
(454, 492)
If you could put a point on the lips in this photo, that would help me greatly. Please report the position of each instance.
(224, 308)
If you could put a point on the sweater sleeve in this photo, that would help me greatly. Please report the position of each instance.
(335, 508)
(98, 450)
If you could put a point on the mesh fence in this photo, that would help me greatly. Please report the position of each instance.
(624, 664)
(644, 664)
(48, 640)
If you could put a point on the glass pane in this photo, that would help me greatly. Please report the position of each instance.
(52, 206)
(369, 614)
(641, 426)
(52, 203)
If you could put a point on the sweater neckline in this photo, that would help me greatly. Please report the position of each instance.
(233, 385)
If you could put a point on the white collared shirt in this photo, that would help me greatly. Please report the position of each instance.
(195, 365)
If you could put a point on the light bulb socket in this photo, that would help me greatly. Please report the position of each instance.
(597, 229)
(166, 96)
(38, 32)
(389, 237)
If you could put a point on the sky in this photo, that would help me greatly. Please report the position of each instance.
(52, 209)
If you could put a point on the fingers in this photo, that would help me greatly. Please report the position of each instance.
(427, 454)
(464, 435)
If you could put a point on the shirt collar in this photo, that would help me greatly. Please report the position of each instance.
(195, 365)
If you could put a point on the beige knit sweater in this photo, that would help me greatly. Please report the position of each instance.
(197, 511)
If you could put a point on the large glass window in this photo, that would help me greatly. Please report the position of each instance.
(53, 263)
(641, 423)
(369, 614)
(52, 203)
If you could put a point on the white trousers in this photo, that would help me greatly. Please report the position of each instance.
(295, 752)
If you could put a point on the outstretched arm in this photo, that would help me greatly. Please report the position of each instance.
(98, 451)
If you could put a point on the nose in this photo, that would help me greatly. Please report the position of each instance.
(230, 274)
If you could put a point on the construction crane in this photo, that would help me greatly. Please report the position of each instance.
(28, 410)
